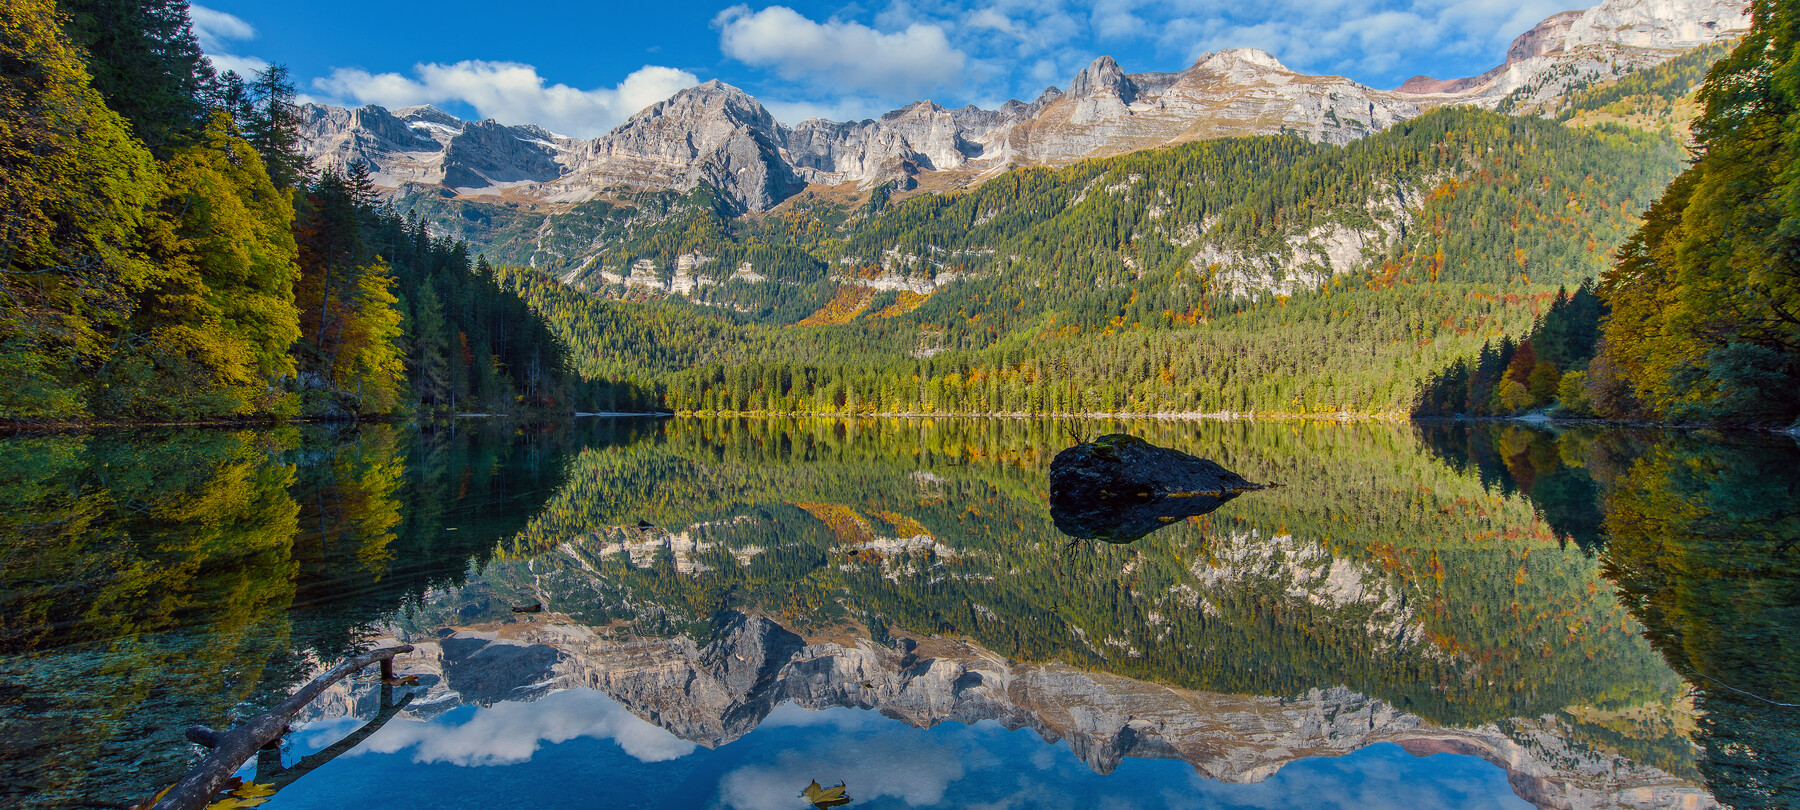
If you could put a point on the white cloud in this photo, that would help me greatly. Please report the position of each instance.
(511, 732)
(869, 58)
(245, 66)
(214, 29)
(863, 753)
(1116, 19)
(1367, 39)
(842, 57)
(510, 93)
(842, 109)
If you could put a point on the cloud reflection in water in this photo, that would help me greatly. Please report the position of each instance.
(532, 754)
(508, 733)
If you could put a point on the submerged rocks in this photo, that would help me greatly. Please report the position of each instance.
(1119, 488)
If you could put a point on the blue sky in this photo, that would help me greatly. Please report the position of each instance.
(582, 67)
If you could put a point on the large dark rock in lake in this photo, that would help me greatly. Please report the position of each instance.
(1119, 488)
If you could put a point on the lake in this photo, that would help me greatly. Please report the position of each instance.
(1457, 615)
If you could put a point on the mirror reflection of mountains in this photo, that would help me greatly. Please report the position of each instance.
(1397, 601)
(1426, 582)
(712, 695)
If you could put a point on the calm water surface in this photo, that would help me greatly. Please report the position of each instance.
(1438, 616)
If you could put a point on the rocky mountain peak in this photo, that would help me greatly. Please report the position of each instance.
(488, 154)
(1254, 58)
(711, 133)
(917, 109)
(1544, 38)
(1103, 76)
(1575, 48)
(717, 134)
(425, 113)
(711, 100)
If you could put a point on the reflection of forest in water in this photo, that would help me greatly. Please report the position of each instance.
(156, 580)
(1463, 574)
(1699, 533)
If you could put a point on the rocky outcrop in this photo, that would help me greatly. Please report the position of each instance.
(715, 693)
(487, 155)
(713, 133)
(1119, 488)
(717, 134)
(399, 148)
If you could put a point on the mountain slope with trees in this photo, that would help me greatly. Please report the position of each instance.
(1699, 318)
(1151, 282)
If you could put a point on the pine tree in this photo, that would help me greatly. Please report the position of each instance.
(146, 63)
(270, 121)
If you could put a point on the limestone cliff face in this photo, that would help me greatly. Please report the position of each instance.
(1576, 48)
(397, 147)
(717, 693)
(1235, 92)
(713, 133)
(487, 155)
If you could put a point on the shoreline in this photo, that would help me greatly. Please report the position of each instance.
(11, 428)
(15, 427)
(1168, 416)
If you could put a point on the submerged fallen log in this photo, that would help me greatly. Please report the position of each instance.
(231, 749)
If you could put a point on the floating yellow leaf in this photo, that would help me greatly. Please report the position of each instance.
(150, 802)
(253, 790)
(824, 796)
(234, 803)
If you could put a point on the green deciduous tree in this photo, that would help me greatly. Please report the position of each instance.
(1706, 296)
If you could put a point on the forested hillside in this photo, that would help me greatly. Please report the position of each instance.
(165, 254)
(1259, 274)
(1699, 318)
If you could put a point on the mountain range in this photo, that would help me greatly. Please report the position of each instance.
(715, 134)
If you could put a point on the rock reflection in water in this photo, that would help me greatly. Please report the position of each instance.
(1128, 520)
(1119, 488)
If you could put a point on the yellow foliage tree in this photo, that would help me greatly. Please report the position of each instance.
(74, 188)
(1705, 299)
(369, 363)
(211, 335)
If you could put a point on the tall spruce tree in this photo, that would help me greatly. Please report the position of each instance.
(270, 121)
(146, 63)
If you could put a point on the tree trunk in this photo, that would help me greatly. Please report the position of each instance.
(196, 790)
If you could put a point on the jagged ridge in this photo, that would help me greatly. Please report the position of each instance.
(717, 134)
